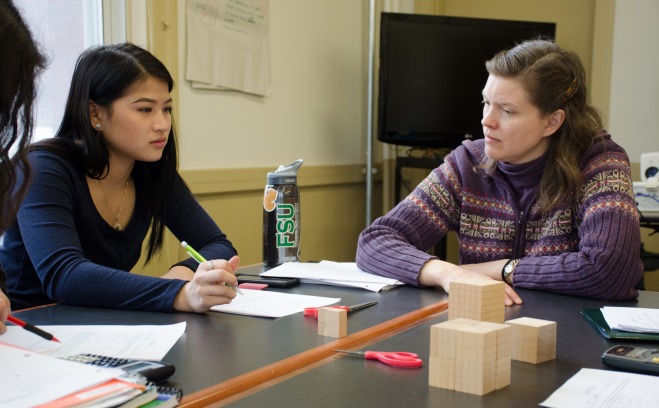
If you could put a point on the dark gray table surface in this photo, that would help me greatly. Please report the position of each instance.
(218, 346)
(354, 382)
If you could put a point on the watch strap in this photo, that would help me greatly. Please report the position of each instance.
(507, 270)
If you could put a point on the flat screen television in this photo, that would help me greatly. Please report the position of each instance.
(432, 72)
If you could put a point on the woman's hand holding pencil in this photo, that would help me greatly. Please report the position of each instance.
(214, 283)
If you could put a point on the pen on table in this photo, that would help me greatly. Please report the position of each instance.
(197, 256)
(29, 327)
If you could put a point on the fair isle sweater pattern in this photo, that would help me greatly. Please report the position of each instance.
(588, 248)
(488, 222)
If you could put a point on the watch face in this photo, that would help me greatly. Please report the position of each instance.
(508, 268)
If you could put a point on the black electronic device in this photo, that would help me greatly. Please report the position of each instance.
(632, 358)
(270, 281)
(432, 73)
(153, 371)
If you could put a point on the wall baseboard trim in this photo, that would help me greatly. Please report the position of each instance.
(219, 181)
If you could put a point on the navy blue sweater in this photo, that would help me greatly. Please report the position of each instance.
(61, 250)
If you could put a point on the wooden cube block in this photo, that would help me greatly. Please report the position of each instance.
(475, 360)
(442, 336)
(440, 373)
(443, 347)
(332, 322)
(470, 356)
(533, 340)
(478, 299)
(504, 353)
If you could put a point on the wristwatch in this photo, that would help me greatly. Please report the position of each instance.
(507, 270)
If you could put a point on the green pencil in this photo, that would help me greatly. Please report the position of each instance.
(197, 256)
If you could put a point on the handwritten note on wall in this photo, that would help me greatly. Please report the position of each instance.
(228, 45)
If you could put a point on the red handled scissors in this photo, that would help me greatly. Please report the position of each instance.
(393, 358)
(313, 311)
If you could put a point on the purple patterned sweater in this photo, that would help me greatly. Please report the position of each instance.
(591, 249)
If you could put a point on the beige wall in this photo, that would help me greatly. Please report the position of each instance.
(317, 108)
(332, 202)
(634, 103)
(317, 111)
(634, 93)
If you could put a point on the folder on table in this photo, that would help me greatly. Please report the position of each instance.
(594, 316)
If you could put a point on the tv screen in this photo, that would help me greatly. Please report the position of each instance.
(432, 72)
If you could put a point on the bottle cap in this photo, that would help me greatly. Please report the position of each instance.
(285, 174)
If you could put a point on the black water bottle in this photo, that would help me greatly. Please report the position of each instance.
(281, 216)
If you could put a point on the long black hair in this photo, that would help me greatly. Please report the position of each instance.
(102, 75)
(22, 63)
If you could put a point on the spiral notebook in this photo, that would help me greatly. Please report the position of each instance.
(167, 397)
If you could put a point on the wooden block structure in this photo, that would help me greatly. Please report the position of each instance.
(470, 356)
(534, 340)
(443, 346)
(332, 322)
(504, 354)
(477, 299)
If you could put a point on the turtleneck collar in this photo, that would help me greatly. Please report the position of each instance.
(524, 175)
(524, 178)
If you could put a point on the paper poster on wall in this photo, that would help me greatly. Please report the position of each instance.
(228, 45)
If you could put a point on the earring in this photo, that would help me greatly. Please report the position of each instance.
(98, 126)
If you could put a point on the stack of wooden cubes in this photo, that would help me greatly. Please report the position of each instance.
(472, 351)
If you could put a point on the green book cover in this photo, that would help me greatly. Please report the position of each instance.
(594, 316)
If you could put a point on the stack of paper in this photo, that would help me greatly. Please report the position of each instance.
(333, 273)
(633, 319)
(30, 379)
(33, 376)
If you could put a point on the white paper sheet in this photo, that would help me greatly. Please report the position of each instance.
(634, 319)
(228, 45)
(333, 273)
(264, 303)
(135, 342)
(591, 388)
(28, 378)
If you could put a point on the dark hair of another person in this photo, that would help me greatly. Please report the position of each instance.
(554, 78)
(22, 63)
(102, 75)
